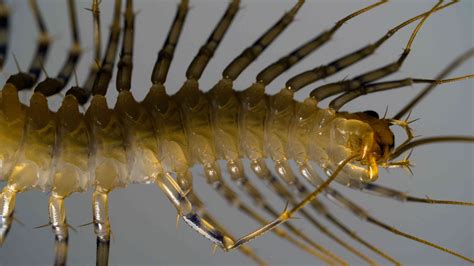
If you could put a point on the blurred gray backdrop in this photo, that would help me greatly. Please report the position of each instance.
(143, 221)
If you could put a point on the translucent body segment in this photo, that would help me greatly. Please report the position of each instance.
(34, 162)
(252, 120)
(71, 165)
(195, 114)
(224, 114)
(109, 163)
(279, 115)
(168, 127)
(12, 121)
(141, 143)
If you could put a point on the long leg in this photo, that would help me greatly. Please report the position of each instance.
(125, 65)
(260, 201)
(360, 212)
(185, 209)
(303, 79)
(267, 75)
(103, 77)
(260, 169)
(23, 80)
(83, 93)
(457, 62)
(4, 32)
(199, 205)
(233, 199)
(165, 56)
(331, 89)
(51, 86)
(346, 97)
(239, 64)
(206, 52)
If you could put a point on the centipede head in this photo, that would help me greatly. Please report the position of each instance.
(371, 137)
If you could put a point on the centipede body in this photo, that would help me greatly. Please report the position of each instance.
(445, 111)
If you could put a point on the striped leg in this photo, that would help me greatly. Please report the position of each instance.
(303, 79)
(261, 170)
(57, 219)
(250, 54)
(267, 75)
(346, 97)
(199, 63)
(337, 197)
(23, 80)
(200, 209)
(51, 86)
(125, 65)
(233, 199)
(103, 77)
(166, 54)
(259, 200)
(358, 82)
(83, 93)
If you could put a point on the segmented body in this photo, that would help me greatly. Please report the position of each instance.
(212, 134)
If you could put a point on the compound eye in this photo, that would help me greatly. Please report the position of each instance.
(372, 114)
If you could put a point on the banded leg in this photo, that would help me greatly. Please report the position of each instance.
(453, 65)
(358, 82)
(125, 65)
(239, 64)
(360, 212)
(301, 80)
(206, 52)
(166, 54)
(233, 199)
(23, 80)
(346, 97)
(267, 75)
(51, 86)
(103, 77)
(185, 209)
(4, 32)
(246, 185)
(200, 209)
(260, 169)
(83, 93)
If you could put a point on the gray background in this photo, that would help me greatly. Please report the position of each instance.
(143, 221)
